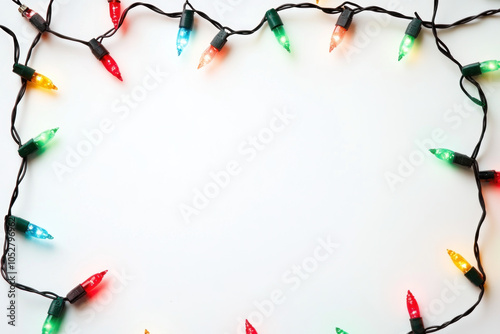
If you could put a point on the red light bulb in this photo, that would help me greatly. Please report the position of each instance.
(249, 328)
(416, 323)
(115, 11)
(93, 281)
(343, 23)
(412, 305)
(82, 289)
(337, 37)
(111, 66)
(208, 56)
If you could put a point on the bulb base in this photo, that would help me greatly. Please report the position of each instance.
(220, 40)
(471, 70)
(20, 224)
(414, 28)
(187, 19)
(273, 19)
(23, 71)
(475, 277)
(98, 50)
(487, 175)
(75, 294)
(463, 160)
(417, 326)
(28, 148)
(57, 307)
(345, 19)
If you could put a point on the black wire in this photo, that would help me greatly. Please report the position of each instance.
(16, 43)
(442, 47)
(17, 2)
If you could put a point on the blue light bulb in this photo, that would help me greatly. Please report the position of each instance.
(37, 232)
(182, 39)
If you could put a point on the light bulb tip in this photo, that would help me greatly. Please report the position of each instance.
(55, 129)
(54, 87)
(50, 237)
(432, 150)
(179, 52)
(104, 272)
(400, 57)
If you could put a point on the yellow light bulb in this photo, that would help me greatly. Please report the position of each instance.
(42, 81)
(459, 261)
(146, 331)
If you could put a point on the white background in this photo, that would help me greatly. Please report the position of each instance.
(358, 113)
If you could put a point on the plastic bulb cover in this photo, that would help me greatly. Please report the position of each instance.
(443, 154)
(42, 81)
(406, 46)
(182, 39)
(412, 305)
(115, 12)
(460, 262)
(29, 13)
(208, 56)
(282, 37)
(146, 331)
(337, 37)
(93, 281)
(37, 232)
(249, 328)
(110, 64)
(340, 331)
(49, 325)
(489, 66)
(43, 138)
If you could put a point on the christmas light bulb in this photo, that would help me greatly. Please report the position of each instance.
(343, 23)
(115, 11)
(411, 34)
(215, 46)
(412, 305)
(34, 18)
(146, 331)
(185, 27)
(249, 328)
(452, 157)
(32, 76)
(110, 64)
(37, 143)
(29, 229)
(82, 289)
(100, 52)
(53, 320)
(417, 325)
(340, 331)
(466, 268)
(490, 176)
(480, 68)
(276, 25)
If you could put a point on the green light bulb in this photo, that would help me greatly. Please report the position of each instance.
(37, 143)
(406, 45)
(443, 154)
(489, 66)
(340, 331)
(54, 317)
(276, 25)
(282, 38)
(411, 34)
(43, 138)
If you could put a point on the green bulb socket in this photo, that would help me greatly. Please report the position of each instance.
(417, 326)
(23, 71)
(273, 19)
(28, 148)
(187, 19)
(220, 40)
(56, 307)
(414, 28)
(20, 224)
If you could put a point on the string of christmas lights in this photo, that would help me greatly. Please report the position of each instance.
(346, 14)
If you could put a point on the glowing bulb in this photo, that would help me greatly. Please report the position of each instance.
(412, 305)
(343, 23)
(100, 52)
(276, 25)
(249, 328)
(185, 27)
(215, 46)
(37, 143)
(340, 331)
(82, 289)
(411, 34)
(115, 12)
(480, 68)
(465, 267)
(452, 157)
(32, 76)
(53, 320)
